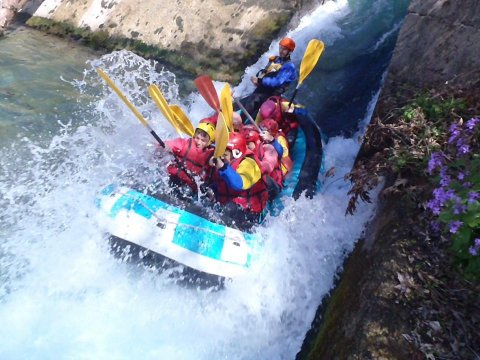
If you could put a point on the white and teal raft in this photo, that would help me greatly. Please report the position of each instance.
(149, 228)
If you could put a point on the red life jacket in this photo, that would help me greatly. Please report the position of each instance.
(253, 199)
(189, 162)
(286, 121)
(276, 173)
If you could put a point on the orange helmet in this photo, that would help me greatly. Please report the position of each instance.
(237, 144)
(288, 43)
(270, 125)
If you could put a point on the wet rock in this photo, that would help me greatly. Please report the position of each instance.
(10, 8)
(180, 28)
(438, 44)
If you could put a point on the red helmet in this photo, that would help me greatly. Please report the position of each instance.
(210, 120)
(288, 43)
(267, 109)
(270, 125)
(251, 133)
(237, 144)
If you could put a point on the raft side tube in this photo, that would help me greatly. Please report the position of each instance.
(312, 163)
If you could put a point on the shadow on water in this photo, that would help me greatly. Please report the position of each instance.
(179, 274)
(350, 71)
(346, 106)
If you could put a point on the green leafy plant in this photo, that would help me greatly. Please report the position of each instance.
(398, 150)
(456, 199)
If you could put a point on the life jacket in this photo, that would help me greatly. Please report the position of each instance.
(189, 162)
(286, 121)
(274, 65)
(253, 199)
(286, 161)
(276, 174)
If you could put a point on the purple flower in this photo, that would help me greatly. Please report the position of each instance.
(455, 226)
(473, 196)
(443, 195)
(454, 133)
(435, 226)
(473, 251)
(461, 175)
(472, 123)
(440, 197)
(464, 149)
(445, 179)
(434, 206)
(459, 209)
(467, 184)
(462, 146)
(436, 160)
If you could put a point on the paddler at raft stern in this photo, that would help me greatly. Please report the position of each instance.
(276, 108)
(274, 79)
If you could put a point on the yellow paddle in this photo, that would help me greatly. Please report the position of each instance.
(221, 137)
(310, 58)
(227, 106)
(182, 120)
(162, 104)
(130, 106)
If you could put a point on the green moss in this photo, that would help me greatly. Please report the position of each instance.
(259, 38)
(269, 27)
(193, 58)
(338, 305)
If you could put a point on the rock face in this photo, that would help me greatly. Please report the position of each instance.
(439, 42)
(8, 9)
(437, 47)
(207, 34)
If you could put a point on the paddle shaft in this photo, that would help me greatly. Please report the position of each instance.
(240, 105)
(293, 96)
(154, 134)
(130, 106)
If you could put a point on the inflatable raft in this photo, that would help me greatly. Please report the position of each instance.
(152, 228)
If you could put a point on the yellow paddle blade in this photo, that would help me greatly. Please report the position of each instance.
(312, 53)
(221, 137)
(182, 120)
(227, 106)
(121, 96)
(162, 104)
